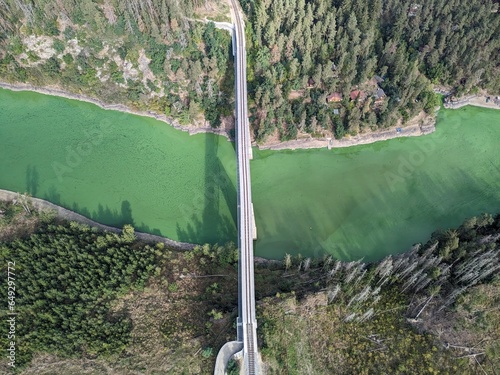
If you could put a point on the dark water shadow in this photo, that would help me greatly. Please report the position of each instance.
(81, 210)
(116, 218)
(147, 229)
(211, 225)
(103, 214)
(294, 232)
(53, 195)
(443, 204)
(32, 180)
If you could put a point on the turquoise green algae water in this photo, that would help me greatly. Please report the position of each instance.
(118, 168)
(363, 201)
(373, 200)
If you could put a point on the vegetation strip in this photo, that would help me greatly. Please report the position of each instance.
(63, 213)
(113, 297)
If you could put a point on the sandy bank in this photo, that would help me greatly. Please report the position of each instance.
(56, 91)
(420, 125)
(69, 215)
(476, 101)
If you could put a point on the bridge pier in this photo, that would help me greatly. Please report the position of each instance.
(254, 227)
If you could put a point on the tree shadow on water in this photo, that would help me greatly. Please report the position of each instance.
(113, 217)
(81, 210)
(146, 229)
(32, 180)
(212, 225)
(53, 195)
(103, 215)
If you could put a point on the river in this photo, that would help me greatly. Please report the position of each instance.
(357, 202)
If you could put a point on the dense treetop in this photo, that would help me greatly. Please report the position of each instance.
(146, 54)
(321, 67)
(316, 48)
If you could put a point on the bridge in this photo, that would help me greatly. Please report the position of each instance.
(246, 342)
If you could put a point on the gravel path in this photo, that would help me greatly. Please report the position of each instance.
(416, 127)
(475, 100)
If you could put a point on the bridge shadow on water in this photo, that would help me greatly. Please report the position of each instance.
(217, 223)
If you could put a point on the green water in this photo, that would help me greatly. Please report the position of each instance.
(373, 200)
(364, 201)
(118, 168)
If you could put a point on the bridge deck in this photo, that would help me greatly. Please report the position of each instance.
(247, 322)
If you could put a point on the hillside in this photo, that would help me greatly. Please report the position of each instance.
(93, 302)
(319, 68)
(148, 55)
(347, 66)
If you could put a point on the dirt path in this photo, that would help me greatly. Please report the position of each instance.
(420, 125)
(63, 213)
(476, 101)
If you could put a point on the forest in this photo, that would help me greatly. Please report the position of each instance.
(319, 67)
(73, 284)
(374, 61)
(393, 315)
(108, 301)
(149, 55)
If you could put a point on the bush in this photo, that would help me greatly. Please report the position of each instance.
(68, 58)
(58, 46)
(207, 352)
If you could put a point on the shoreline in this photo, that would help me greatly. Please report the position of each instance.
(475, 101)
(304, 143)
(416, 127)
(64, 213)
(57, 91)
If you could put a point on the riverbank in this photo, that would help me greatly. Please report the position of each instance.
(482, 100)
(420, 125)
(415, 126)
(57, 91)
(63, 213)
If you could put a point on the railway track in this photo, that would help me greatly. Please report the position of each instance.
(245, 211)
